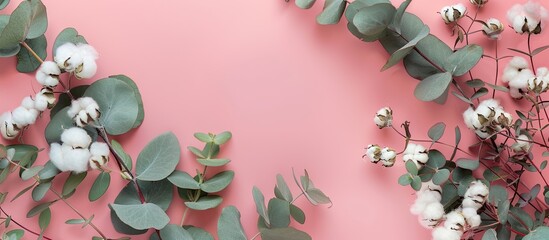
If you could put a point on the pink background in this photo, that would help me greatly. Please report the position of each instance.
(294, 94)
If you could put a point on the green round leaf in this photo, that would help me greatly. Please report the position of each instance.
(283, 188)
(540, 233)
(40, 191)
(297, 214)
(31, 172)
(141, 110)
(44, 219)
(4, 4)
(183, 180)
(100, 186)
(159, 158)
(441, 176)
(175, 232)
(463, 60)
(26, 62)
(218, 182)
(405, 179)
(470, 164)
(373, 20)
(332, 13)
(159, 193)
(433, 86)
(411, 167)
(117, 102)
(15, 31)
(64, 100)
(48, 172)
(288, 233)
(436, 159)
(198, 233)
(436, 131)
(141, 216)
(490, 234)
(416, 183)
(229, 226)
(72, 182)
(279, 213)
(305, 4)
(222, 138)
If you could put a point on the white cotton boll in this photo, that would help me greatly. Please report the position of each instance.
(442, 233)
(88, 69)
(388, 157)
(48, 94)
(477, 188)
(432, 214)
(522, 144)
(470, 118)
(88, 51)
(63, 53)
(24, 117)
(84, 110)
(48, 74)
(493, 28)
(471, 217)
(27, 103)
(8, 128)
(471, 203)
(454, 220)
(40, 102)
(503, 118)
(384, 117)
(512, 69)
(483, 134)
(56, 156)
(75, 160)
(373, 152)
(81, 119)
(416, 153)
(423, 200)
(76, 138)
(96, 162)
(529, 17)
(99, 149)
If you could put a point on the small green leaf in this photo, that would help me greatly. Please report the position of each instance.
(540, 233)
(539, 50)
(497, 194)
(411, 167)
(259, 200)
(23, 192)
(436, 159)
(436, 131)
(406, 49)
(297, 214)
(490, 234)
(213, 162)
(159, 158)
(416, 183)
(196, 152)
(175, 232)
(49, 171)
(475, 83)
(183, 180)
(40, 191)
(204, 137)
(218, 182)
(470, 164)
(332, 12)
(543, 165)
(26, 62)
(204, 203)
(279, 213)
(405, 179)
(441, 176)
(15, 234)
(4, 4)
(288, 233)
(100, 186)
(222, 138)
(433, 86)
(281, 185)
(142, 216)
(31, 172)
(126, 158)
(72, 182)
(305, 4)
(479, 93)
(44, 219)
(75, 221)
(229, 226)
(398, 15)
(503, 211)
(463, 60)
(38, 209)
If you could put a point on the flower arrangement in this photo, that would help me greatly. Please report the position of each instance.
(84, 115)
(479, 191)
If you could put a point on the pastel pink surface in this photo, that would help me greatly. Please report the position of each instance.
(293, 93)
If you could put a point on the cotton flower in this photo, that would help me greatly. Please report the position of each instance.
(66, 158)
(100, 154)
(476, 195)
(540, 82)
(432, 214)
(388, 157)
(471, 217)
(23, 116)
(487, 118)
(8, 128)
(428, 194)
(417, 154)
(522, 144)
(76, 137)
(517, 74)
(442, 233)
(84, 110)
(479, 3)
(384, 117)
(78, 59)
(373, 152)
(48, 74)
(454, 220)
(452, 13)
(527, 18)
(493, 28)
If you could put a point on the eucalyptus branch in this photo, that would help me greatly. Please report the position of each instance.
(23, 227)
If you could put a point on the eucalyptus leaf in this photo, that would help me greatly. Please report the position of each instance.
(281, 185)
(159, 193)
(204, 203)
(218, 182)
(471, 164)
(279, 213)
(373, 20)
(39, 20)
(49, 171)
(222, 138)
(142, 216)
(17, 27)
(126, 158)
(229, 226)
(141, 110)
(297, 214)
(213, 162)
(63, 100)
(464, 59)
(4, 4)
(183, 180)
(305, 4)
(59, 123)
(44, 219)
(175, 232)
(416, 183)
(100, 186)
(72, 182)
(159, 158)
(288, 233)
(38, 209)
(259, 200)
(26, 62)
(490, 234)
(118, 104)
(198, 233)
(441, 176)
(433, 87)
(540, 233)
(411, 167)
(406, 49)
(40, 191)
(436, 159)
(436, 131)
(405, 179)
(397, 20)
(332, 13)
(31, 172)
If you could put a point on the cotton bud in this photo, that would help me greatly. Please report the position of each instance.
(48, 95)
(374, 153)
(78, 59)
(76, 137)
(522, 144)
(388, 157)
(540, 82)
(442, 233)
(493, 28)
(8, 128)
(100, 155)
(527, 18)
(452, 13)
(84, 111)
(479, 3)
(48, 74)
(23, 117)
(417, 154)
(66, 158)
